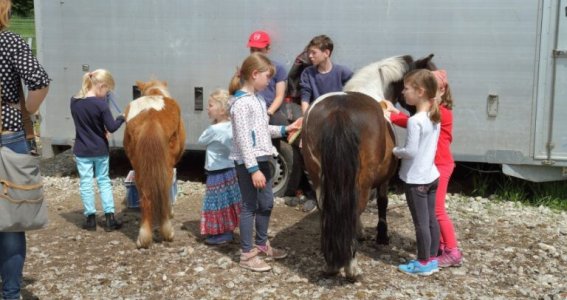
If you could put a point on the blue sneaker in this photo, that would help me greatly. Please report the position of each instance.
(219, 239)
(415, 267)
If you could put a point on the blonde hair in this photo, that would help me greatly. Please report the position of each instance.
(91, 79)
(221, 97)
(5, 7)
(254, 62)
(424, 79)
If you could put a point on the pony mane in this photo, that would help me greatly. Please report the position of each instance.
(154, 88)
(374, 78)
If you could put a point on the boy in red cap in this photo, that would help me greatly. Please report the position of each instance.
(259, 41)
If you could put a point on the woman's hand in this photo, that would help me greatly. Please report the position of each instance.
(258, 180)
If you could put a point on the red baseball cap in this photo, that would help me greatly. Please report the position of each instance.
(258, 39)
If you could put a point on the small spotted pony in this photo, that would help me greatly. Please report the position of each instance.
(154, 141)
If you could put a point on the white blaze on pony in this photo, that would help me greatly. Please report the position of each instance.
(143, 103)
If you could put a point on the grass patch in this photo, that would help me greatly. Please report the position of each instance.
(496, 185)
(24, 27)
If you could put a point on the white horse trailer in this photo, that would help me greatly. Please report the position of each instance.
(506, 60)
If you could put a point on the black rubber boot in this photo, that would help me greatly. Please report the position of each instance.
(90, 223)
(111, 223)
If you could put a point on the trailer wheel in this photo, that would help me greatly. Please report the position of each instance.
(283, 170)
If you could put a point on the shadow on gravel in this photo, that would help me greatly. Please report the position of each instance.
(302, 239)
(128, 217)
(27, 295)
(228, 249)
(75, 217)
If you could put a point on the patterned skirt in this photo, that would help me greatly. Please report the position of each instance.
(221, 205)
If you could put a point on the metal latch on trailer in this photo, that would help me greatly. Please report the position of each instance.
(559, 53)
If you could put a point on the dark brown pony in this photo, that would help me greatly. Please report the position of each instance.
(347, 148)
(154, 140)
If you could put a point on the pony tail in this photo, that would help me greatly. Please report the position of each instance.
(339, 198)
(85, 86)
(235, 83)
(434, 113)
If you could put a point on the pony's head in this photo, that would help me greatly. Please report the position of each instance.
(153, 88)
(393, 91)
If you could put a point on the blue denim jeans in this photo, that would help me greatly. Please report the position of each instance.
(90, 168)
(12, 244)
(256, 207)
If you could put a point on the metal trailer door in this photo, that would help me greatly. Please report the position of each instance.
(558, 134)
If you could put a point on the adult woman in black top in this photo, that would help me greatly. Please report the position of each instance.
(16, 63)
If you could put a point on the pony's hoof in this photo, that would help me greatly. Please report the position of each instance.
(329, 273)
(382, 240)
(143, 244)
(356, 278)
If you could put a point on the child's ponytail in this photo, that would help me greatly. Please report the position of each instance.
(434, 113)
(255, 62)
(235, 83)
(90, 79)
(85, 86)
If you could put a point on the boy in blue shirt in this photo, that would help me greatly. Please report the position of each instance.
(323, 76)
(320, 78)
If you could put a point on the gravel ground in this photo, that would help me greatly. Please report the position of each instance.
(511, 251)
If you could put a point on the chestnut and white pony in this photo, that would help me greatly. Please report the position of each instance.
(347, 149)
(154, 140)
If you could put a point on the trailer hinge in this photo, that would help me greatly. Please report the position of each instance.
(559, 53)
(549, 146)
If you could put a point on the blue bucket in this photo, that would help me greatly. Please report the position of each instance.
(132, 198)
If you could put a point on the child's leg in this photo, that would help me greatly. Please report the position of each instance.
(416, 196)
(448, 238)
(249, 205)
(433, 223)
(265, 205)
(85, 169)
(104, 185)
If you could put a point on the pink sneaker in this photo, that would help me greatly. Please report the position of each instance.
(450, 258)
(271, 252)
(251, 261)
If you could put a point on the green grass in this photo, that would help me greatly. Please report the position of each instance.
(24, 27)
(506, 188)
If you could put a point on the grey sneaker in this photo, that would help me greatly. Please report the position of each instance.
(291, 201)
(309, 205)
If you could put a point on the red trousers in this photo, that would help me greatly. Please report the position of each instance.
(448, 239)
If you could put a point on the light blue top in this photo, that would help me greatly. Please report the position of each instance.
(418, 154)
(218, 138)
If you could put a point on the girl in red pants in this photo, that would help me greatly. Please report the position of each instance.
(450, 255)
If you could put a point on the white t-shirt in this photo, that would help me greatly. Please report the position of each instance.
(418, 154)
